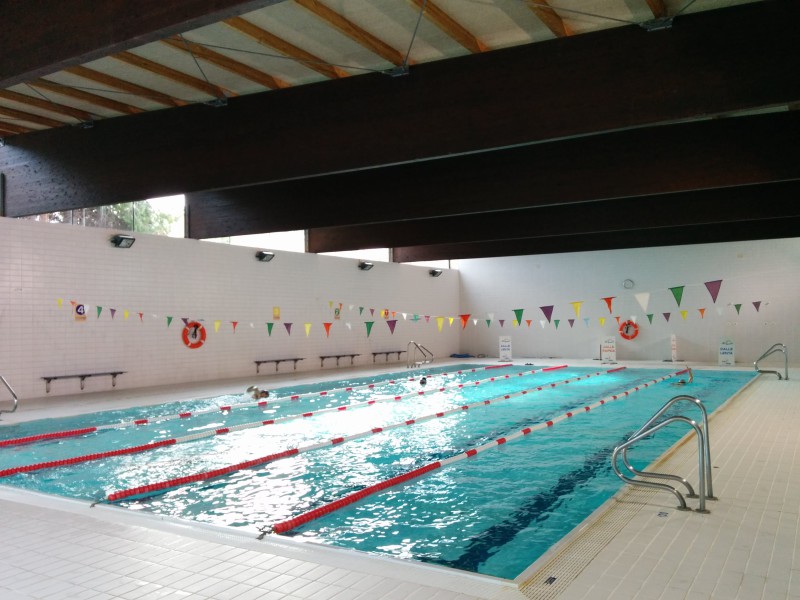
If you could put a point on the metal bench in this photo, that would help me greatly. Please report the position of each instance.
(277, 362)
(337, 357)
(386, 353)
(82, 377)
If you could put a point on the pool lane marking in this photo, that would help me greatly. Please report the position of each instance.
(150, 489)
(242, 426)
(261, 404)
(303, 518)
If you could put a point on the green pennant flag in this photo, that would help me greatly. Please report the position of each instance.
(360, 309)
(678, 293)
(488, 322)
(99, 310)
(650, 318)
(556, 321)
(169, 321)
(518, 312)
(738, 308)
(369, 325)
(269, 329)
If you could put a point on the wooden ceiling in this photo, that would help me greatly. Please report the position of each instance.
(441, 128)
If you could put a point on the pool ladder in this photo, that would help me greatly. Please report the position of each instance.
(775, 348)
(425, 355)
(13, 395)
(706, 491)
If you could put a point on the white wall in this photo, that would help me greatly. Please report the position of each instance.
(767, 271)
(160, 277)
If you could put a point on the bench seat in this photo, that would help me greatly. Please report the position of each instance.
(386, 353)
(337, 357)
(82, 377)
(277, 362)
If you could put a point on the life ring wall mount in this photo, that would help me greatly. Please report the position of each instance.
(629, 330)
(194, 335)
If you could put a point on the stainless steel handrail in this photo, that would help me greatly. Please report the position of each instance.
(411, 355)
(703, 450)
(772, 350)
(13, 394)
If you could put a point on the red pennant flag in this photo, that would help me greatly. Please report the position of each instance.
(464, 320)
(140, 316)
(702, 312)
(608, 302)
(528, 321)
(234, 323)
(327, 329)
(617, 318)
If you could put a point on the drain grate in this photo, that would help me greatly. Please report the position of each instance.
(554, 576)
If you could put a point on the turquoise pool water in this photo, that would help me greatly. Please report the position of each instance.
(494, 513)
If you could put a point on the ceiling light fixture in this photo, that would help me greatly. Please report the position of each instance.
(264, 255)
(122, 241)
(435, 272)
(365, 266)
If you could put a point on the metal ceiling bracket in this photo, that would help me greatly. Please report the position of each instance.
(84, 125)
(218, 102)
(657, 24)
(398, 71)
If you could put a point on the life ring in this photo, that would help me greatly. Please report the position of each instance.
(629, 330)
(194, 335)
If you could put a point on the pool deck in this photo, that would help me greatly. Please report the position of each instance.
(636, 546)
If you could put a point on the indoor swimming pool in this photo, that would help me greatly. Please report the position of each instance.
(483, 484)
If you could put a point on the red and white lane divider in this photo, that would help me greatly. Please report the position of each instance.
(149, 489)
(225, 408)
(224, 430)
(303, 518)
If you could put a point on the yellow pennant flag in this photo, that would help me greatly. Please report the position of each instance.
(60, 302)
(602, 321)
(684, 313)
(451, 319)
(216, 326)
(440, 322)
(514, 323)
(576, 306)
(125, 314)
(308, 328)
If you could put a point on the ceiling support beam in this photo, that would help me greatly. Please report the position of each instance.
(560, 224)
(468, 104)
(684, 157)
(50, 36)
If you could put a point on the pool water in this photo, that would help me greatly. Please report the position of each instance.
(494, 513)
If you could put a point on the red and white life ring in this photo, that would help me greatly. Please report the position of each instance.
(194, 335)
(629, 330)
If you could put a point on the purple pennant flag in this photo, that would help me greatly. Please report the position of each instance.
(501, 321)
(391, 323)
(757, 305)
(571, 322)
(185, 321)
(548, 312)
(666, 316)
(288, 328)
(113, 312)
(713, 288)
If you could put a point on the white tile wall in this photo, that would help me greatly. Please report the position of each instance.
(162, 277)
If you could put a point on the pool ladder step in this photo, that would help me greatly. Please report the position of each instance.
(13, 395)
(417, 355)
(772, 350)
(706, 490)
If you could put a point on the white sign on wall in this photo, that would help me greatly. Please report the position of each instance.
(608, 350)
(726, 353)
(673, 344)
(505, 348)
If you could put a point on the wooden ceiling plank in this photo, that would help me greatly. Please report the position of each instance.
(353, 31)
(658, 8)
(10, 128)
(227, 63)
(450, 26)
(47, 105)
(548, 16)
(70, 92)
(29, 117)
(174, 75)
(126, 86)
(48, 37)
(265, 38)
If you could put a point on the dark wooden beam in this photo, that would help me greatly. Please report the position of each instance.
(696, 234)
(490, 100)
(721, 207)
(49, 36)
(639, 162)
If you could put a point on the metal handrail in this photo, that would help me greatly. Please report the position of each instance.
(411, 355)
(772, 350)
(703, 452)
(13, 395)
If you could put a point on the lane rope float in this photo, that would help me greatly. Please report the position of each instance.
(629, 330)
(162, 486)
(303, 518)
(194, 335)
(264, 403)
